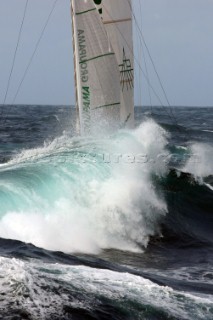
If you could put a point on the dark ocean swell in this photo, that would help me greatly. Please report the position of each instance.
(88, 237)
(190, 217)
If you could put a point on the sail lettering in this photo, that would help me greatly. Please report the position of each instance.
(85, 90)
(83, 56)
(86, 98)
(86, 107)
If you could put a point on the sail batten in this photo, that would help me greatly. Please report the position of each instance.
(85, 11)
(108, 105)
(97, 57)
(117, 21)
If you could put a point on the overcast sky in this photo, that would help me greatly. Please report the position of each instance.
(179, 35)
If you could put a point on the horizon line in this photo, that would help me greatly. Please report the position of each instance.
(73, 106)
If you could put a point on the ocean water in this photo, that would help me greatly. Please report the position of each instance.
(107, 227)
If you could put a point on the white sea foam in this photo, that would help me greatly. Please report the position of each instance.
(200, 163)
(208, 131)
(209, 186)
(45, 297)
(57, 201)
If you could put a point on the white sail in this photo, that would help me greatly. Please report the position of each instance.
(117, 19)
(96, 70)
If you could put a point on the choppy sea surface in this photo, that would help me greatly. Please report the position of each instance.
(106, 227)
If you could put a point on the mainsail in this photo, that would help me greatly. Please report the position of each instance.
(103, 64)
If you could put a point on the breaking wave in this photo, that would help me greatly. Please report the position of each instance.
(84, 194)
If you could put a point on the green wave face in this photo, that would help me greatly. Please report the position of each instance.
(84, 194)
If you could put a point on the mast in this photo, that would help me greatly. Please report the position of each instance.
(76, 72)
(75, 75)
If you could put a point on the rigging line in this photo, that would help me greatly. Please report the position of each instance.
(137, 61)
(145, 63)
(172, 116)
(149, 92)
(15, 53)
(152, 61)
(140, 50)
(35, 50)
(31, 58)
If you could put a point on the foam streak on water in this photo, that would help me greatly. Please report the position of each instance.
(42, 290)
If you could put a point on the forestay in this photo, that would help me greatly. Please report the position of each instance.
(96, 71)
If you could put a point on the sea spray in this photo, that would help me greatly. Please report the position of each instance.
(85, 194)
(200, 161)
